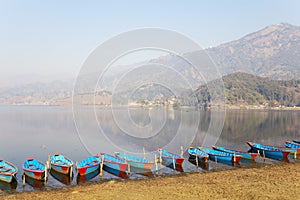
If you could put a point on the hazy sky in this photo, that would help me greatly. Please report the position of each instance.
(51, 39)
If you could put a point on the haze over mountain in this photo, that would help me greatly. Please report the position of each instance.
(272, 52)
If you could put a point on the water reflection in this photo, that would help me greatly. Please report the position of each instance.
(4, 186)
(40, 131)
(203, 165)
(87, 177)
(63, 178)
(38, 184)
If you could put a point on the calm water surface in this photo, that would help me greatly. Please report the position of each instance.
(36, 131)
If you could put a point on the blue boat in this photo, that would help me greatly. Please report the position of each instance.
(220, 156)
(170, 158)
(195, 153)
(135, 162)
(88, 165)
(8, 171)
(296, 141)
(61, 164)
(271, 151)
(293, 145)
(245, 155)
(114, 163)
(35, 169)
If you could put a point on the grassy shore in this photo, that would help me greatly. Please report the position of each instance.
(268, 182)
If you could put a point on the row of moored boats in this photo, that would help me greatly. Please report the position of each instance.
(124, 163)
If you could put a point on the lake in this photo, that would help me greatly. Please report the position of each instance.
(39, 131)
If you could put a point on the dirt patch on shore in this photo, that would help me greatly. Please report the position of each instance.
(268, 182)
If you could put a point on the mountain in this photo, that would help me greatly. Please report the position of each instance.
(36, 93)
(244, 89)
(272, 52)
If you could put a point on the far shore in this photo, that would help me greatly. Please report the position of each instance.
(227, 107)
(280, 181)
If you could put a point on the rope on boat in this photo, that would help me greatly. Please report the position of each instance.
(197, 162)
(144, 152)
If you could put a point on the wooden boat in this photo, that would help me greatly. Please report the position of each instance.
(88, 165)
(170, 158)
(8, 171)
(296, 141)
(112, 162)
(271, 151)
(293, 145)
(135, 162)
(61, 164)
(220, 156)
(245, 155)
(195, 153)
(35, 169)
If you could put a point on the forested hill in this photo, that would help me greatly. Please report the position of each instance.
(246, 89)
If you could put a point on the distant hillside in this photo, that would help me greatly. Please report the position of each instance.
(272, 52)
(36, 93)
(244, 89)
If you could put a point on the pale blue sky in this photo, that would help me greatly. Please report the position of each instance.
(53, 38)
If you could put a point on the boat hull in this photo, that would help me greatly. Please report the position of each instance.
(198, 155)
(170, 158)
(246, 156)
(115, 166)
(61, 164)
(38, 175)
(88, 165)
(135, 162)
(7, 178)
(8, 171)
(293, 145)
(273, 154)
(88, 169)
(219, 156)
(61, 169)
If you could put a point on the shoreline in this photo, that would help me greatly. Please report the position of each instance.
(280, 181)
(227, 107)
